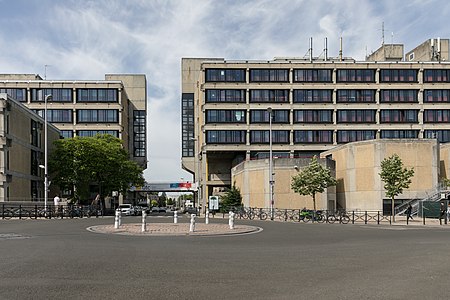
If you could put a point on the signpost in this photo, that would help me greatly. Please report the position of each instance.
(213, 203)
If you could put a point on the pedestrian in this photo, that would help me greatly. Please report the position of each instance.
(408, 212)
(442, 213)
(56, 201)
(96, 200)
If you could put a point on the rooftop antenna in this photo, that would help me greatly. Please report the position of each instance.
(45, 71)
(382, 33)
(439, 49)
(340, 48)
(325, 50)
(309, 53)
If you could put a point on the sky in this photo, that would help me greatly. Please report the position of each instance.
(84, 40)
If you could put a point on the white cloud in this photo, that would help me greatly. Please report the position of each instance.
(87, 39)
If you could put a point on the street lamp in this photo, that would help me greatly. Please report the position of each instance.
(271, 181)
(46, 99)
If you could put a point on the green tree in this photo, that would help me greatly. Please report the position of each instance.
(312, 179)
(231, 198)
(80, 161)
(395, 177)
(162, 199)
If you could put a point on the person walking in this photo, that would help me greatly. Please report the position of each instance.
(442, 214)
(56, 201)
(408, 212)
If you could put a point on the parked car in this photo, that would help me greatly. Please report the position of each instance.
(126, 209)
(162, 210)
(154, 209)
(190, 210)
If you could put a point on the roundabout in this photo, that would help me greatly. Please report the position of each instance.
(179, 229)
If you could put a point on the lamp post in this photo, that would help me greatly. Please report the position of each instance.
(271, 181)
(46, 99)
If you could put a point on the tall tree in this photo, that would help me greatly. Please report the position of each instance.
(395, 177)
(80, 161)
(312, 179)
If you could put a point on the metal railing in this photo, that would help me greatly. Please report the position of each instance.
(12, 211)
(318, 216)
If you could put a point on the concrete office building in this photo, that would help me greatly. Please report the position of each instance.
(316, 105)
(22, 151)
(116, 105)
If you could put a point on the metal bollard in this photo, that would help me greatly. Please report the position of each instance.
(231, 220)
(120, 217)
(144, 221)
(175, 217)
(207, 217)
(192, 227)
(116, 220)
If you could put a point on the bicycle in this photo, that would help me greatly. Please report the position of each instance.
(342, 217)
(307, 215)
(91, 211)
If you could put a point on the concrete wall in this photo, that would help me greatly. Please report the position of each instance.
(387, 52)
(423, 52)
(252, 178)
(358, 166)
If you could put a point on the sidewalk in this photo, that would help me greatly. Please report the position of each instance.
(417, 221)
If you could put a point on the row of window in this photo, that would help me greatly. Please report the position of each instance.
(83, 115)
(325, 75)
(316, 136)
(89, 133)
(326, 96)
(139, 133)
(63, 95)
(326, 116)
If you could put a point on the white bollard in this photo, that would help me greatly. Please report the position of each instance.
(144, 221)
(175, 217)
(120, 217)
(116, 220)
(192, 227)
(231, 220)
(207, 217)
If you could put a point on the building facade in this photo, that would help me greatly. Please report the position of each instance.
(252, 178)
(116, 105)
(233, 111)
(22, 147)
(358, 166)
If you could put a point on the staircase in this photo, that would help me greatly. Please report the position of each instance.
(435, 195)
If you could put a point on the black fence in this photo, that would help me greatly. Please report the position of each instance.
(306, 215)
(8, 211)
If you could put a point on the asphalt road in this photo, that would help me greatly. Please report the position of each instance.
(60, 259)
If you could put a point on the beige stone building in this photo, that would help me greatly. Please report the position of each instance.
(22, 151)
(316, 104)
(116, 105)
